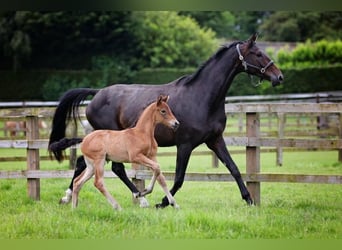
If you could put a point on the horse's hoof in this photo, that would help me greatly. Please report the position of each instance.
(67, 198)
(250, 201)
(160, 206)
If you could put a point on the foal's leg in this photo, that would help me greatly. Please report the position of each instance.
(80, 166)
(157, 175)
(99, 183)
(154, 166)
(119, 170)
(162, 183)
(79, 182)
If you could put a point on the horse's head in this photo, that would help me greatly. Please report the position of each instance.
(164, 114)
(255, 62)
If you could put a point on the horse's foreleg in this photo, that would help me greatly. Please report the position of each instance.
(79, 168)
(220, 149)
(183, 155)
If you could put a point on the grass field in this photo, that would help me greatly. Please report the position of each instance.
(208, 210)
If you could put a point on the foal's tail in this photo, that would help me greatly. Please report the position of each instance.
(59, 146)
(67, 110)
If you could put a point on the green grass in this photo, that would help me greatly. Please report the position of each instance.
(208, 210)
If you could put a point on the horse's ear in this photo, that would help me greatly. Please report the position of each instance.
(252, 39)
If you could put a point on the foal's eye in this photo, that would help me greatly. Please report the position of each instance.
(163, 112)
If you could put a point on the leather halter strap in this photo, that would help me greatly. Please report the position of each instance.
(246, 64)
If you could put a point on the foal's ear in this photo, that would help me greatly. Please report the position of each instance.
(162, 98)
(166, 98)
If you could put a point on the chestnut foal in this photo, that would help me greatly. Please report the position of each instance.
(135, 145)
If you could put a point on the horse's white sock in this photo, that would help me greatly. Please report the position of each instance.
(67, 198)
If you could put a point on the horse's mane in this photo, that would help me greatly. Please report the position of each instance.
(186, 79)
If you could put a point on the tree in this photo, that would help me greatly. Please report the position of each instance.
(166, 39)
(222, 22)
(64, 39)
(299, 26)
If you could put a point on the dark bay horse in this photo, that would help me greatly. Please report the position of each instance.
(197, 101)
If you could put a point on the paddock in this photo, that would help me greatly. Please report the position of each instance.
(249, 136)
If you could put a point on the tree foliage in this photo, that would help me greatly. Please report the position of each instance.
(167, 39)
(63, 39)
(299, 26)
(306, 54)
(71, 39)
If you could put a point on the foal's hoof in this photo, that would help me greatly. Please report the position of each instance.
(63, 201)
(175, 206)
(143, 203)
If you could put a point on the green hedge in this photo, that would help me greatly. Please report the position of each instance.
(49, 85)
(304, 80)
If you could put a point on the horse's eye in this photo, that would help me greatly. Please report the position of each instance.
(259, 54)
(163, 112)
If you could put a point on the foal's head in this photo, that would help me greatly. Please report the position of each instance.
(164, 114)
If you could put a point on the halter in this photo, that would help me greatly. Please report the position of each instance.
(246, 64)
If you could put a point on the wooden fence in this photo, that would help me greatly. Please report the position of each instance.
(252, 141)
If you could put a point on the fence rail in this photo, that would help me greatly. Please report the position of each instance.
(252, 141)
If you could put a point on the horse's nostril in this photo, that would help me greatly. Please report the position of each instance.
(280, 78)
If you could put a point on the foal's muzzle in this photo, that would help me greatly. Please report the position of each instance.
(175, 125)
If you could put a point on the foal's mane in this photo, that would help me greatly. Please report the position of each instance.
(187, 79)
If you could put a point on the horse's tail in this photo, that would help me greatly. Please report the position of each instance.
(66, 110)
(59, 146)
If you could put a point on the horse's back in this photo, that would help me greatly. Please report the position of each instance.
(118, 106)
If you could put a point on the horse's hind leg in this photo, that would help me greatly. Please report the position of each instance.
(99, 184)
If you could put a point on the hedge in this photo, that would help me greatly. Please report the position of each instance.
(49, 85)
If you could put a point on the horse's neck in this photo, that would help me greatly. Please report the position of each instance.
(147, 122)
(217, 76)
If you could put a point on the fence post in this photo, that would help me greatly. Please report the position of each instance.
(253, 155)
(214, 160)
(73, 156)
(340, 137)
(139, 183)
(32, 133)
(281, 125)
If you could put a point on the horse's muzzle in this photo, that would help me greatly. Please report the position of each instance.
(277, 80)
